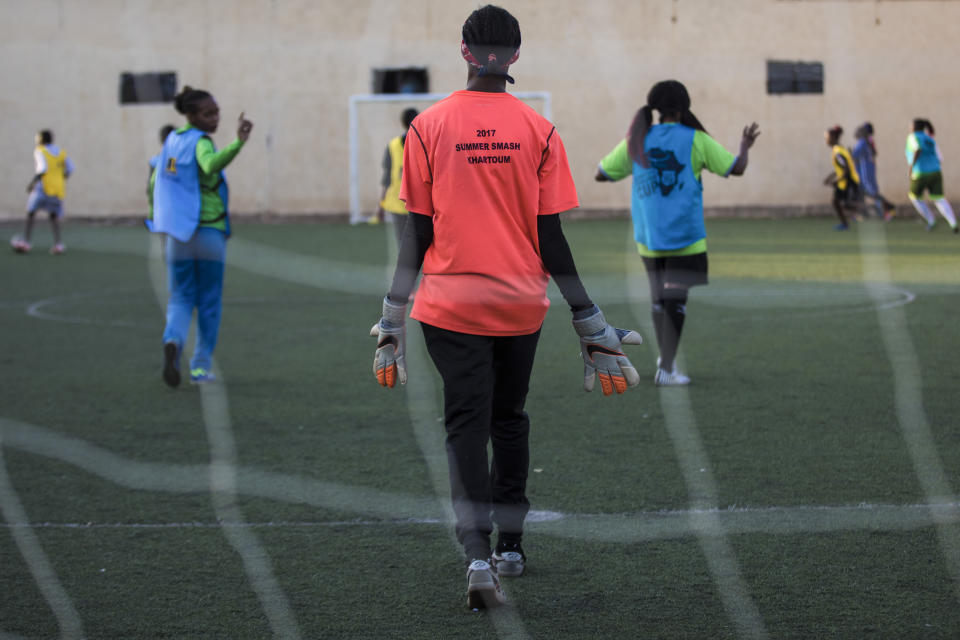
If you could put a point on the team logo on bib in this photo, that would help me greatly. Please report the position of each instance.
(668, 169)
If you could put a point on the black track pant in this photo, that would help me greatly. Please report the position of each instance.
(485, 382)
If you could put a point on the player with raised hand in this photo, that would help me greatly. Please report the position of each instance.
(485, 178)
(190, 206)
(666, 161)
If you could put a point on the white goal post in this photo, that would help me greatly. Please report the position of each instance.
(372, 148)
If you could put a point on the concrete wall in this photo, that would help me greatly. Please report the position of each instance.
(291, 65)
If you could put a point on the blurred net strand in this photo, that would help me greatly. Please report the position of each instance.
(223, 481)
(68, 619)
(702, 492)
(908, 398)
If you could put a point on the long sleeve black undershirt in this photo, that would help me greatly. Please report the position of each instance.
(554, 252)
(558, 261)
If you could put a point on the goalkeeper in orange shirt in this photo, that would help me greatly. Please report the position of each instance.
(485, 178)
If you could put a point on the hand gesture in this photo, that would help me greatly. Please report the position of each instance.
(244, 127)
(749, 135)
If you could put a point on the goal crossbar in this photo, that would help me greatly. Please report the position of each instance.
(354, 134)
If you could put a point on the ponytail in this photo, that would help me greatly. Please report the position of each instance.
(667, 97)
(638, 134)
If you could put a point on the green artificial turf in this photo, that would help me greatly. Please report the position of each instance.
(790, 447)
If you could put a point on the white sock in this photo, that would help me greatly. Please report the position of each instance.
(946, 211)
(923, 210)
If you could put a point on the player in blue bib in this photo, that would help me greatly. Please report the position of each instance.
(666, 161)
(190, 206)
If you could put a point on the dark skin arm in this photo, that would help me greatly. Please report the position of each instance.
(750, 134)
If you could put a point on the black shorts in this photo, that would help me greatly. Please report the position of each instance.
(676, 272)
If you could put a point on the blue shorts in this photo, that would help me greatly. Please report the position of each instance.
(40, 200)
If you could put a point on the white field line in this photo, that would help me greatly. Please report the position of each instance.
(625, 528)
(224, 496)
(37, 309)
(884, 297)
(194, 479)
(40, 568)
(908, 399)
(378, 508)
(349, 277)
(702, 518)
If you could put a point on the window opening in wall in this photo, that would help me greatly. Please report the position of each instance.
(794, 77)
(145, 88)
(401, 80)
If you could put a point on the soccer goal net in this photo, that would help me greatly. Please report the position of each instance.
(374, 119)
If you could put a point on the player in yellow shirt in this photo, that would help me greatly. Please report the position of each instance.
(844, 177)
(392, 171)
(47, 190)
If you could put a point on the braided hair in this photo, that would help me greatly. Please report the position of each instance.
(670, 98)
(187, 101)
(492, 36)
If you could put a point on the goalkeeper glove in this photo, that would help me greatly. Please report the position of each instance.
(389, 362)
(600, 346)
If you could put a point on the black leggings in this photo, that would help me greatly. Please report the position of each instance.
(485, 382)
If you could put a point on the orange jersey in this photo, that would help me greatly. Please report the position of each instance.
(484, 166)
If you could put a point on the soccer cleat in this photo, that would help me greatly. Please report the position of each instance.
(483, 586)
(664, 378)
(171, 364)
(931, 225)
(841, 227)
(509, 559)
(956, 229)
(888, 216)
(58, 249)
(19, 245)
(201, 376)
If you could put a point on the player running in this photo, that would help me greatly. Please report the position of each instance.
(925, 175)
(844, 177)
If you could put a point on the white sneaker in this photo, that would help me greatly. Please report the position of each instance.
(483, 586)
(19, 245)
(673, 378)
(509, 560)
